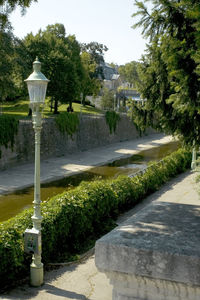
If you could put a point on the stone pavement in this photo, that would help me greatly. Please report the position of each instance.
(22, 176)
(82, 280)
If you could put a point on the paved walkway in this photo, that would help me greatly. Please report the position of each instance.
(82, 280)
(22, 176)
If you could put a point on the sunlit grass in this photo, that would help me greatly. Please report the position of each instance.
(20, 108)
(77, 107)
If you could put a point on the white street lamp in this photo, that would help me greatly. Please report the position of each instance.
(37, 85)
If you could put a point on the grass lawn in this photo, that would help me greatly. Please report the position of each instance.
(20, 108)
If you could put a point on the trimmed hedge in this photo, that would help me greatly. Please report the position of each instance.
(70, 218)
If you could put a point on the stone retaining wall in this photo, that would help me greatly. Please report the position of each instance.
(93, 132)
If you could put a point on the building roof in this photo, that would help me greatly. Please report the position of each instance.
(108, 71)
(115, 76)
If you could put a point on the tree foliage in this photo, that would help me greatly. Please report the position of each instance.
(112, 118)
(7, 6)
(96, 51)
(71, 69)
(67, 123)
(6, 66)
(8, 130)
(7, 41)
(107, 99)
(61, 62)
(90, 84)
(92, 60)
(129, 72)
(170, 71)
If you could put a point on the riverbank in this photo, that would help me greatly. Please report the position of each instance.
(22, 176)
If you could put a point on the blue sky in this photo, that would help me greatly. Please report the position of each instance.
(104, 21)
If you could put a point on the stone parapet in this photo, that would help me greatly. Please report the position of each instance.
(154, 255)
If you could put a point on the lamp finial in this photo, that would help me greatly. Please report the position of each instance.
(36, 65)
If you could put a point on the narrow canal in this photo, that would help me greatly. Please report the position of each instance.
(12, 204)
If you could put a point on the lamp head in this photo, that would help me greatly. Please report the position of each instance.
(37, 84)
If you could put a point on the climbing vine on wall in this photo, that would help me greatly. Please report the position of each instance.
(67, 123)
(112, 118)
(8, 130)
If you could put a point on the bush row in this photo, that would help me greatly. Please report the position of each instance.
(70, 218)
(67, 122)
(112, 118)
(8, 130)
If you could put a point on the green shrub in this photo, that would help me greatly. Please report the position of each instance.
(8, 130)
(72, 217)
(111, 119)
(67, 123)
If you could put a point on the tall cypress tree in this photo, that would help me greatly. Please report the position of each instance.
(170, 73)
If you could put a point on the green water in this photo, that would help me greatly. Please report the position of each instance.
(12, 204)
(143, 157)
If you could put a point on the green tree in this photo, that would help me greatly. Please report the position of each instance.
(129, 72)
(6, 66)
(96, 50)
(21, 67)
(113, 65)
(8, 77)
(90, 84)
(107, 99)
(61, 62)
(170, 73)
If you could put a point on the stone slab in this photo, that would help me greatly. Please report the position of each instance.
(162, 241)
(130, 287)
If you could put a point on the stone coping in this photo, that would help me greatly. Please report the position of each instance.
(162, 241)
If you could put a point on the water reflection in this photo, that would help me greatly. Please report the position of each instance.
(12, 204)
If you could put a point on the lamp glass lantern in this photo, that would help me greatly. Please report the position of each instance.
(37, 85)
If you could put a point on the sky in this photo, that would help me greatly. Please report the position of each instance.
(104, 21)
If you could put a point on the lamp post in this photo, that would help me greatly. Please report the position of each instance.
(194, 157)
(81, 104)
(114, 105)
(37, 85)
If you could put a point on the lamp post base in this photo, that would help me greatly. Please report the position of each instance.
(194, 159)
(36, 274)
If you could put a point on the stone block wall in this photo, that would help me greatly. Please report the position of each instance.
(93, 132)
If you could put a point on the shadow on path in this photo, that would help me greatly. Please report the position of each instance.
(63, 293)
